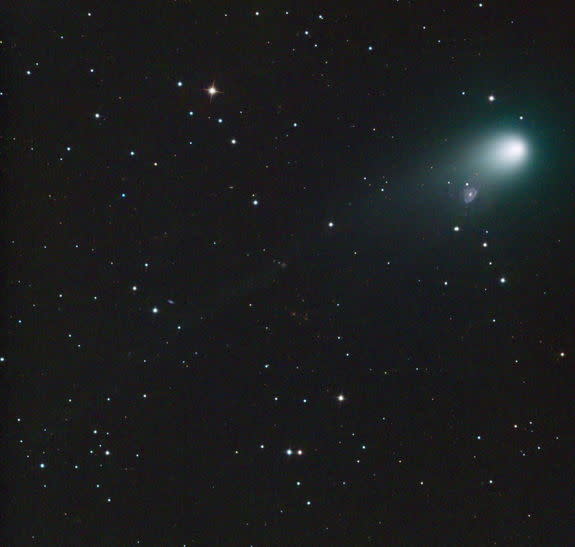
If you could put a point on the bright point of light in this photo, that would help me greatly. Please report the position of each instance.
(233, 141)
(155, 310)
(330, 224)
(341, 398)
(180, 84)
(289, 451)
(502, 280)
(491, 98)
(96, 115)
(299, 452)
(456, 228)
(255, 202)
(212, 90)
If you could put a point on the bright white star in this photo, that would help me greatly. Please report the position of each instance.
(212, 91)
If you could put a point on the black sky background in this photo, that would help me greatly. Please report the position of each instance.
(428, 370)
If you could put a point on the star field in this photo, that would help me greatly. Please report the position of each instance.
(287, 274)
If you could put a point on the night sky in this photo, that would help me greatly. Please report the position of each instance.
(287, 274)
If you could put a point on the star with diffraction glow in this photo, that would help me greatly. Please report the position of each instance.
(212, 90)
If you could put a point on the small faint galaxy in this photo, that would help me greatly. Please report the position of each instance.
(469, 194)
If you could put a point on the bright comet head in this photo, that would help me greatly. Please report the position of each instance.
(512, 150)
(501, 154)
